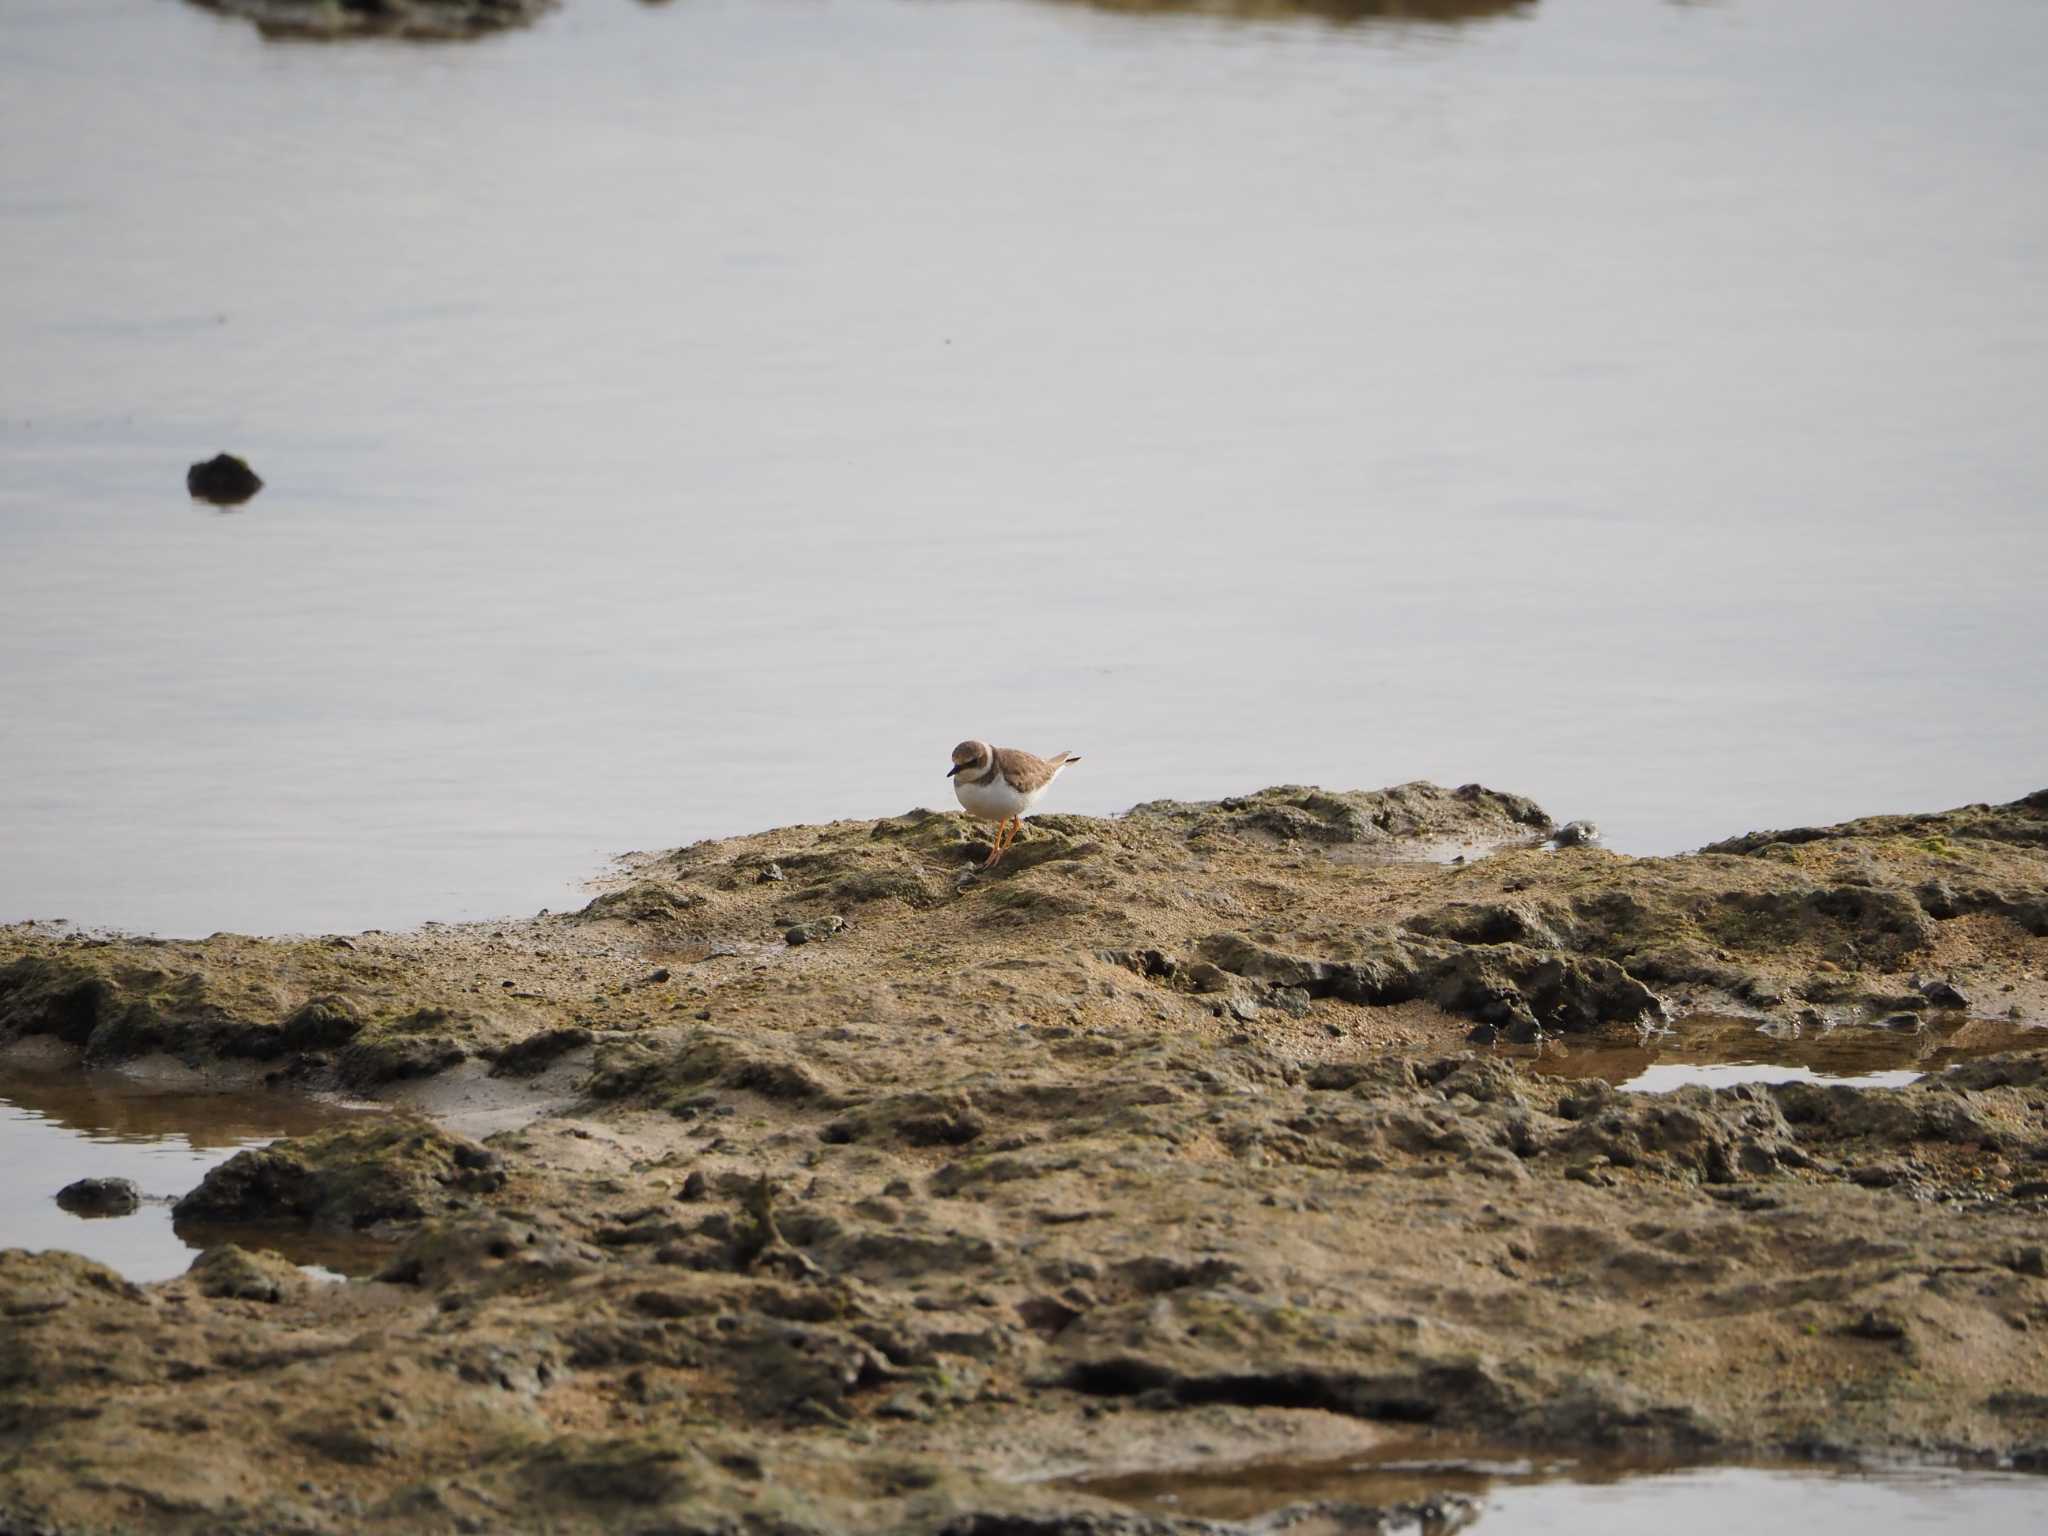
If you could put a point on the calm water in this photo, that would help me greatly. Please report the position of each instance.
(681, 420)
(1716, 1052)
(1616, 1498)
(57, 1126)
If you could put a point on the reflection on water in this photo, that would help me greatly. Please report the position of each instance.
(1392, 13)
(1602, 1496)
(59, 1126)
(1717, 1052)
(1665, 1077)
(105, 1108)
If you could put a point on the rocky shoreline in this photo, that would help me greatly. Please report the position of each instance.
(817, 1181)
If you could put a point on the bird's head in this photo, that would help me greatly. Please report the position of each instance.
(970, 757)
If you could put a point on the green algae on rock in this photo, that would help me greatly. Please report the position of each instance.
(397, 1169)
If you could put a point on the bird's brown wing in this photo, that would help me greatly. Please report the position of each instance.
(1025, 772)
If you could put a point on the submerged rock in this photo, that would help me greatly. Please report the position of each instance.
(426, 20)
(224, 480)
(100, 1197)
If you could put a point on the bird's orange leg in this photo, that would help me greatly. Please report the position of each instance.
(995, 845)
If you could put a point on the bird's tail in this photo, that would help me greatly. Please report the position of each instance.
(1065, 758)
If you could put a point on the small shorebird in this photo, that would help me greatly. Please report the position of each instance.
(1000, 784)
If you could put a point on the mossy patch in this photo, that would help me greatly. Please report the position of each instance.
(398, 1169)
(644, 901)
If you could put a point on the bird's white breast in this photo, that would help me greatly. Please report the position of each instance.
(994, 800)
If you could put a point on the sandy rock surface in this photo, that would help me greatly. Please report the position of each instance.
(1205, 1132)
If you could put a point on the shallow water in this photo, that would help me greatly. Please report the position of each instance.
(682, 420)
(1719, 1052)
(59, 1126)
(1623, 1496)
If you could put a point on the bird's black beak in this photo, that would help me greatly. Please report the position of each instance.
(954, 769)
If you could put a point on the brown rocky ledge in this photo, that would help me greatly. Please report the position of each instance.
(1204, 1132)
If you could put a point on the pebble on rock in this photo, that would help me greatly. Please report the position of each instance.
(820, 928)
(224, 480)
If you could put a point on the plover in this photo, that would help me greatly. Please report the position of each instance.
(1000, 784)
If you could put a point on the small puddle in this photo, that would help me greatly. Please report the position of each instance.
(1522, 1496)
(1715, 1051)
(58, 1125)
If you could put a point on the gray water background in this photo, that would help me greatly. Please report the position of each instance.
(1616, 1495)
(684, 420)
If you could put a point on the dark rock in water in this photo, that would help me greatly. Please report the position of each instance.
(100, 1197)
(223, 480)
(423, 20)
(1577, 834)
